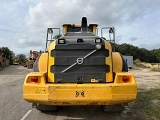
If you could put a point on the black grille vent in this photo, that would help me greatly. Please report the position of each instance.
(93, 66)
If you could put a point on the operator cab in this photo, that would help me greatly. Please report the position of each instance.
(77, 28)
(82, 30)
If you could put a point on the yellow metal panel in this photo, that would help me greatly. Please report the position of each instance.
(40, 75)
(42, 62)
(118, 77)
(109, 76)
(51, 62)
(81, 94)
(117, 62)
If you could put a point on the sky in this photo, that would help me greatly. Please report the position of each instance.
(24, 23)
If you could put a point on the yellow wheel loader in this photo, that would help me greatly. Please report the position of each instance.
(79, 68)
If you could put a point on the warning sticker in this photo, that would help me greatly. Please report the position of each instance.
(41, 90)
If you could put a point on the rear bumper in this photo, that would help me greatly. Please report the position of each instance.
(80, 94)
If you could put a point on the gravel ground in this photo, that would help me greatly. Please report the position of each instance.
(146, 79)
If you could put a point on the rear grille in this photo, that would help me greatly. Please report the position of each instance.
(93, 67)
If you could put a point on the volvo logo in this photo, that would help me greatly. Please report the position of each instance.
(79, 60)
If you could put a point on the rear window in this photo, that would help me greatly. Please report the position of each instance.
(78, 29)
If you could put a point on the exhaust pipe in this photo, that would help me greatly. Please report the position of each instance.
(84, 25)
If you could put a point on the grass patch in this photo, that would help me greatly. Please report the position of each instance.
(149, 102)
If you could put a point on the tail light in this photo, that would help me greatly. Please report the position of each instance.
(126, 79)
(34, 79)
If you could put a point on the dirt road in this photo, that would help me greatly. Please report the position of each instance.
(146, 79)
(13, 107)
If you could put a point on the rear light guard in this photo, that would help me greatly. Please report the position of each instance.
(124, 79)
(33, 79)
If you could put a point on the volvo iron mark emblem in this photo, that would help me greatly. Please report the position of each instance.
(80, 60)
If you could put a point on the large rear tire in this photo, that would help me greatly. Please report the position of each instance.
(46, 108)
(113, 108)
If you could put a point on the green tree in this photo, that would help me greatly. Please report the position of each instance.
(21, 59)
(12, 55)
(142, 54)
(5, 52)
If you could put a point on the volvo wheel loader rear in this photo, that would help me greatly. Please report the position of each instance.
(79, 68)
